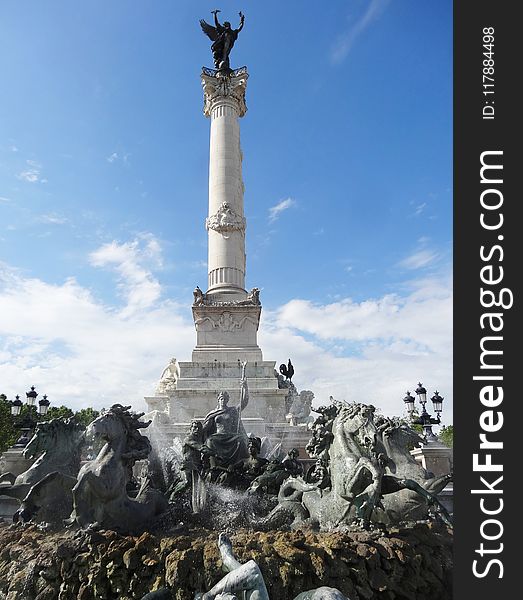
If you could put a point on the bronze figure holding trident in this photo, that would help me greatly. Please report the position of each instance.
(223, 430)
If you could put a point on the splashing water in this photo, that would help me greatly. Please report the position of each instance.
(228, 509)
(165, 460)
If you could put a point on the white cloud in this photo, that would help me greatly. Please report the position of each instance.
(419, 259)
(419, 209)
(32, 173)
(80, 351)
(345, 42)
(53, 219)
(83, 352)
(4, 199)
(275, 211)
(132, 262)
(371, 351)
(115, 156)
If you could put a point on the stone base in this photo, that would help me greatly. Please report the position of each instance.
(290, 436)
(196, 388)
(12, 461)
(226, 333)
(446, 497)
(434, 457)
(8, 507)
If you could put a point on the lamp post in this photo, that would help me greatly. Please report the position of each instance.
(424, 419)
(16, 406)
(43, 406)
(28, 421)
(31, 396)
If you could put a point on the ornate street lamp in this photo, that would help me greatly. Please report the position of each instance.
(422, 394)
(437, 401)
(31, 396)
(16, 406)
(409, 403)
(425, 419)
(43, 406)
(27, 422)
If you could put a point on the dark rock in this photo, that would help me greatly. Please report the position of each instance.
(161, 594)
(409, 564)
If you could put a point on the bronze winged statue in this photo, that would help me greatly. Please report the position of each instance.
(223, 38)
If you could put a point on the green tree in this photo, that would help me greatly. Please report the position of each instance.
(8, 433)
(416, 426)
(55, 412)
(86, 415)
(446, 435)
(406, 420)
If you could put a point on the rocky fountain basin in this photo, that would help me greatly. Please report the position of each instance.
(404, 563)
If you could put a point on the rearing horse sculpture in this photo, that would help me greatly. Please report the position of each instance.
(100, 498)
(56, 444)
(355, 476)
(397, 439)
(373, 478)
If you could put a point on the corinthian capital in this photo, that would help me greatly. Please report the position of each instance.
(219, 86)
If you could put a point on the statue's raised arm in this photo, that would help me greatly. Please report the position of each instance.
(216, 22)
(223, 38)
(242, 21)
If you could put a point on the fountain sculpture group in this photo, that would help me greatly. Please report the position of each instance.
(363, 475)
(360, 475)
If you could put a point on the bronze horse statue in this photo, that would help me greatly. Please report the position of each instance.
(100, 499)
(373, 477)
(56, 445)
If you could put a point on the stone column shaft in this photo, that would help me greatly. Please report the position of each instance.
(225, 104)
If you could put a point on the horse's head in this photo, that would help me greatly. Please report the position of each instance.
(107, 427)
(37, 444)
(357, 422)
(118, 424)
(58, 435)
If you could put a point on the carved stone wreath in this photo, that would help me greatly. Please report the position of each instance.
(225, 220)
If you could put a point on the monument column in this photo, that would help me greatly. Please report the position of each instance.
(226, 317)
(224, 97)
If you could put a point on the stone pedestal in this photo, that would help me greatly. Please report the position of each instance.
(12, 461)
(446, 497)
(194, 394)
(8, 507)
(437, 458)
(434, 457)
(227, 333)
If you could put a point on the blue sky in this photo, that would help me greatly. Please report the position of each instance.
(103, 192)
